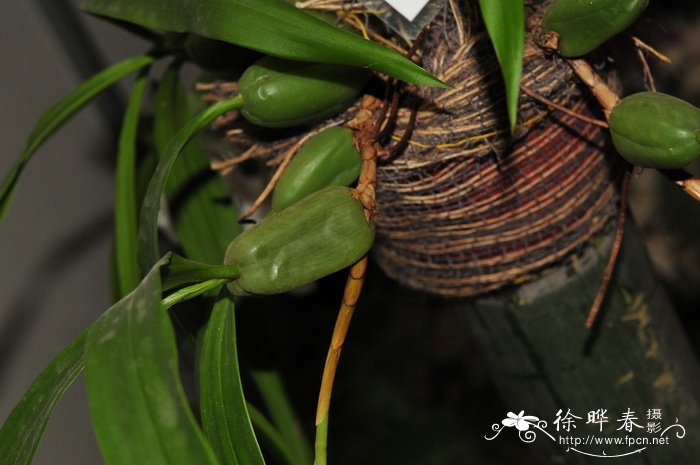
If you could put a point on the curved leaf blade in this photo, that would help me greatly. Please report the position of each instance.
(225, 417)
(203, 217)
(138, 407)
(274, 396)
(125, 210)
(272, 438)
(270, 26)
(22, 431)
(54, 117)
(148, 223)
(505, 23)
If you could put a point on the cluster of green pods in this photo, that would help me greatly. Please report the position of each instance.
(649, 129)
(583, 25)
(317, 227)
(655, 130)
(316, 236)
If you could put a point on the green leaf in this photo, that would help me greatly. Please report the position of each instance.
(22, 431)
(59, 113)
(225, 415)
(138, 407)
(505, 23)
(125, 203)
(203, 217)
(144, 173)
(25, 426)
(271, 438)
(270, 26)
(269, 383)
(184, 271)
(148, 223)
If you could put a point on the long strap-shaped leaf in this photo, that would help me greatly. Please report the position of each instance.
(56, 115)
(24, 428)
(148, 223)
(270, 26)
(125, 210)
(225, 415)
(204, 219)
(272, 392)
(139, 411)
(272, 438)
(505, 23)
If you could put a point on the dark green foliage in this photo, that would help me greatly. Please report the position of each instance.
(273, 27)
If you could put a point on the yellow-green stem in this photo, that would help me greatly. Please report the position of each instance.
(353, 287)
(190, 292)
(321, 444)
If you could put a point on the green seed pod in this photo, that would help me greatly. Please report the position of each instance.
(327, 159)
(584, 25)
(317, 236)
(283, 93)
(656, 130)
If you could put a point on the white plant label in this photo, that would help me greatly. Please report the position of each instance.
(409, 9)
